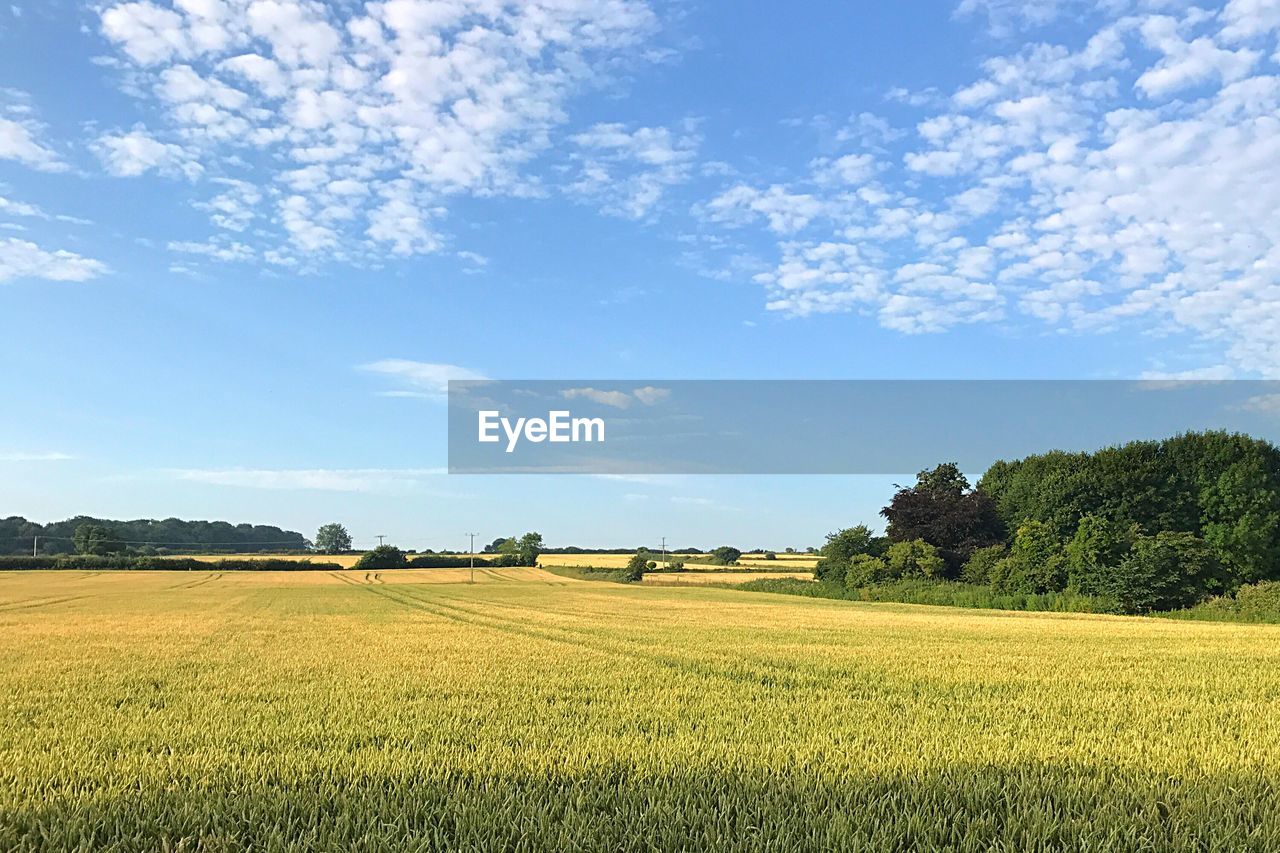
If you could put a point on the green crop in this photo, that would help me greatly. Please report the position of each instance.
(409, 710)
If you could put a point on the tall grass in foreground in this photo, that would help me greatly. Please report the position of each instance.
(530, 712)
(941, 593)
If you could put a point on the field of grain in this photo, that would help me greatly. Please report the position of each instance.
(272, 711)
(704, 578)
(784, 563)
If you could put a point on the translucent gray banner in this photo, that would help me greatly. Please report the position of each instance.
(824, 426)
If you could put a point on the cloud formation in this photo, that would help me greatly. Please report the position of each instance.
(356, 129)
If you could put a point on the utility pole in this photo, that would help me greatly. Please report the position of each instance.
(35, 546)
(471, 552)
(381, 536)
(664, 552)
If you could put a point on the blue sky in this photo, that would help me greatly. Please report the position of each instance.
(243, 243)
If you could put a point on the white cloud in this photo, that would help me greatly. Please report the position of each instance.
(627, 172)
(20, 259)
(425, 379)
(356, 123)
(648, 395)
(616, 399)
(17, 456)
(18, 141)
(1127, 181)
(311, 479)
(136, 152)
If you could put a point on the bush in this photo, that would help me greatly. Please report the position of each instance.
(978, 568)
(382, 557)
(769, 555)
(1035, 563)
(441, 561)
(1096, 549)
(1258, 602)
(636, 567)
(725, 556)
(1162, 572)
(865, 570)
(938, 593)
(914, 559)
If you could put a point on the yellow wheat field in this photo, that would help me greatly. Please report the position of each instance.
(393, 710)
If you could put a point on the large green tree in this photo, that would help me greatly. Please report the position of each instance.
(333, 538)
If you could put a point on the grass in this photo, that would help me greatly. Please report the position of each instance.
(936, 593)
(529, 711)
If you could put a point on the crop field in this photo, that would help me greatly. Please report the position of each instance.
(704, 578)
(365, 711)
(784, 563)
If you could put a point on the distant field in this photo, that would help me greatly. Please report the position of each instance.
(784, 563)
(704, 578)
(384, 710)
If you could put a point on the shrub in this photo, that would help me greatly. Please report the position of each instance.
(1162, 572)
(1035, 563)
(442, 561)
(978, 567)
(1096, 549)
(382, 557)
(865, 570)
(636, 566)
(914, 559)
(725, 556)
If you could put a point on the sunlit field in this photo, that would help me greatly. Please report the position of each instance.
(783, 563)
(705, 578)
(527, 711)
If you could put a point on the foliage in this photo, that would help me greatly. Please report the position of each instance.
(841, 547)
(1036, 563)
(938, 593)
(864, 570)
(1221, 487)
(442, 561)
(977, 569)
(1095, 551)
(142, 563)
(192, 537)
(725, 555)
(915, 559)
(943, 511)
(528, 547)
(1258, 602)
(333, 538)
(382, 557)
(1162, 572)
(636, 567)
(96, 540)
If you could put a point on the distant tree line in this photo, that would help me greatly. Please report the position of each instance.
(172, 535)
(1146, 526)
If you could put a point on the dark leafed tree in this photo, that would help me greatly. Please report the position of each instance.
(943, 511)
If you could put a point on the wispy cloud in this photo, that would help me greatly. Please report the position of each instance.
(17, 456)
(311, 479)
(23, 259)
(618, 399)
(427, 380)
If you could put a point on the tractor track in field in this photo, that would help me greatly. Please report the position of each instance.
(196, 583)
(775, 676)
(348, 581)
(41, 601)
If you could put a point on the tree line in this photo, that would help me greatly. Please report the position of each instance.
(1145, 526)
(170, 535)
